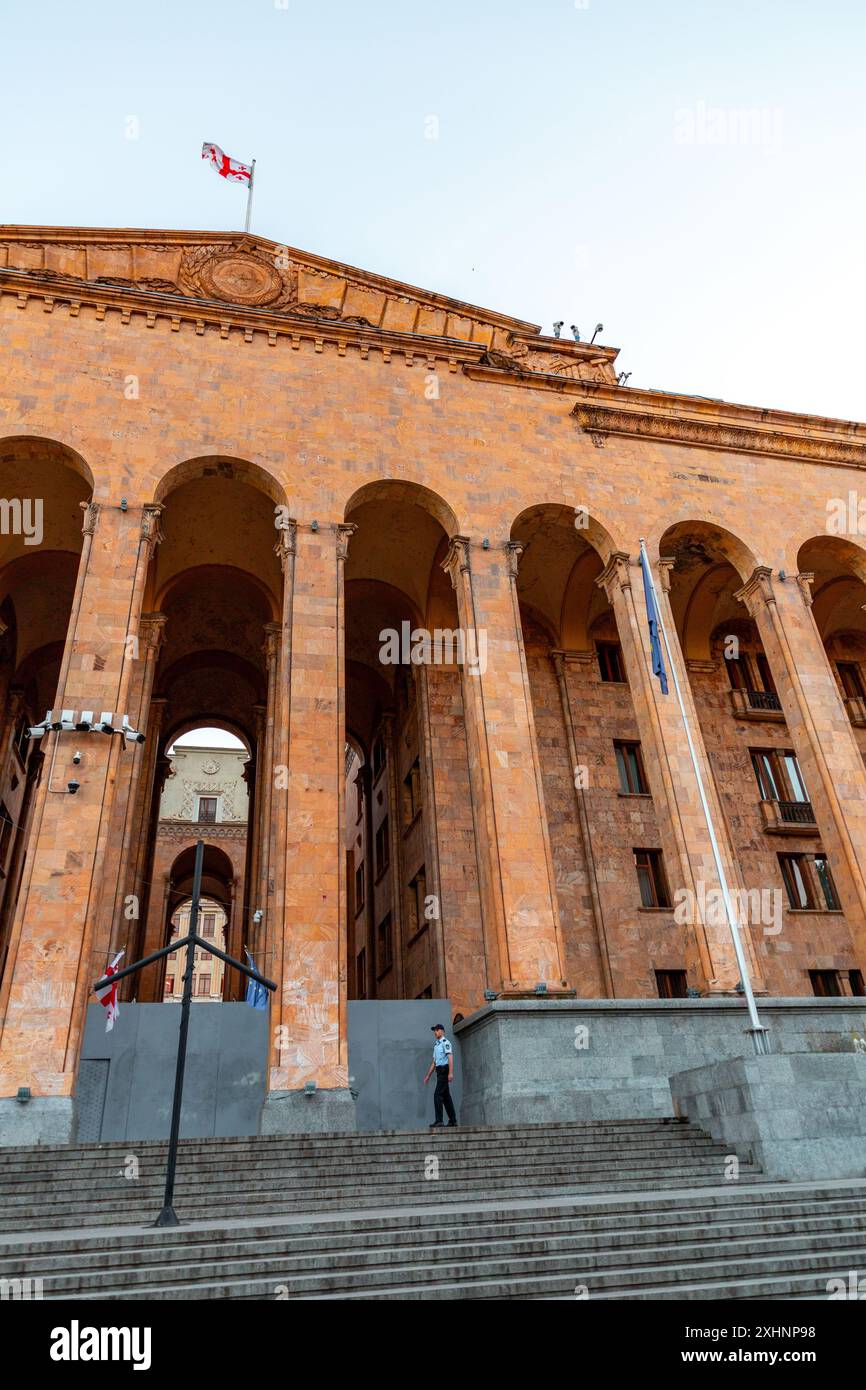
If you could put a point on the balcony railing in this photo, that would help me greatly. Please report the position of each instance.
(789, 817)
(757, 704)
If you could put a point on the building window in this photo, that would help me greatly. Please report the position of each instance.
(204, 984)
(632, 780)
(361, 974)
(208, 924)
(651, 878)
(6, 828)
(384, 946)
(412, 793)
(169, 984)
(415, 899)
(378, 757)
(207, 808)
(360, 881)
(849, 675)
(778, 775)
(855, 980)
(738, 672)
(825, 983)
(809, 882)
(383, 849)
(610, 661)
(672, 984)
(22, 740)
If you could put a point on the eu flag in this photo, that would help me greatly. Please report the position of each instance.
(653, 620)
(257, 995)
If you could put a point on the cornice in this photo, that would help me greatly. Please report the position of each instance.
(211, 315)
(723, 426)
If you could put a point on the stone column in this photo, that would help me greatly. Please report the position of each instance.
(265, 894)
(820, 730)
(518, 896)
(128, 809)
(147, 814)
(309, 1013)
(682, 826)
(254, 823)
(561, 661)
(49, 976)
(395, 852)
(431, 830)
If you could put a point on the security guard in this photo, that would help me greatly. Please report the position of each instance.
(443, 1065)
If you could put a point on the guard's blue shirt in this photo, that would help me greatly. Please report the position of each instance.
(441, 1052)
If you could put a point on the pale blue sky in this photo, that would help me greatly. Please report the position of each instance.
(566, 180)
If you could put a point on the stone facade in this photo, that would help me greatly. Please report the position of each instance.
(276, 459)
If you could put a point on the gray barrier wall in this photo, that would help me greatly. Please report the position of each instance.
(126, 1077)
(390, 1049)
(541, 1061)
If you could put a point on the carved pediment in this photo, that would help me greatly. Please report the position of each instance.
(244, 272)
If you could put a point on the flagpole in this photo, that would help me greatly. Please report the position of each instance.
(757, 1030)
(250, 196)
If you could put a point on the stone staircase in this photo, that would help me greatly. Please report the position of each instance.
(631, 1209)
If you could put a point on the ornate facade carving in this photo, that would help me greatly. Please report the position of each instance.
(243, 273)
(714, 434)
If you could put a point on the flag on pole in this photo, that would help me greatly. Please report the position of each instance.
(257, 995)
(653, 620)
(230, 169)
(108, 996)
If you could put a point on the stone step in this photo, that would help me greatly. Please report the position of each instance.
(315, 1269)
(468, 1167)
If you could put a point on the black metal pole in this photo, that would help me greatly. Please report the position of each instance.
(168, 1216)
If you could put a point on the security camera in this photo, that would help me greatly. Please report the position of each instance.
(258, 915)
(599, 328)
(576, 331)
(557, 327)
(72, 787)
(76, 757)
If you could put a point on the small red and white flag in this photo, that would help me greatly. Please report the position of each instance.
(107, 996)
(230, 169)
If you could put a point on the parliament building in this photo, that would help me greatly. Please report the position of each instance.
(391, 541)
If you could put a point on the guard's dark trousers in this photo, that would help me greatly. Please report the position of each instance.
(442, 1095)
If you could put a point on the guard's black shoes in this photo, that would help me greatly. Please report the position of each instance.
(437, 1124)
(452, 1124)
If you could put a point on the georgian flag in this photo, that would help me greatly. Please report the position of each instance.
(231, 169)
(108, 996)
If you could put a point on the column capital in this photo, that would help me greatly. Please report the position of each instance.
(616, 574)
(562, 658)
(665, 565)
(151, 630)
(287, 541)
(91, 517)
(757, 589)
(456, 562)
(271, 643)
(805, 581)
(157, 708)
(344, 531)
(151, 532)
(513, 553)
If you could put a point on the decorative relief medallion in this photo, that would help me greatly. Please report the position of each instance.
(210, 768)
(244, 275)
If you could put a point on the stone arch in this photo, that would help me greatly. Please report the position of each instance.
(558, 567)
(219, 465)
(398, 490)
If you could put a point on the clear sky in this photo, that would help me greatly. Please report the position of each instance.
(592, 161)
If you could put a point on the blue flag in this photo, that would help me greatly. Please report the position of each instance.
(257, 995)
(653, 620)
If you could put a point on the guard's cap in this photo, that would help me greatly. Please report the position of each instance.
(437, 1025)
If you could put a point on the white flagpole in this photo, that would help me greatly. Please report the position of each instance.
(250, 196)
(757, 1030)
